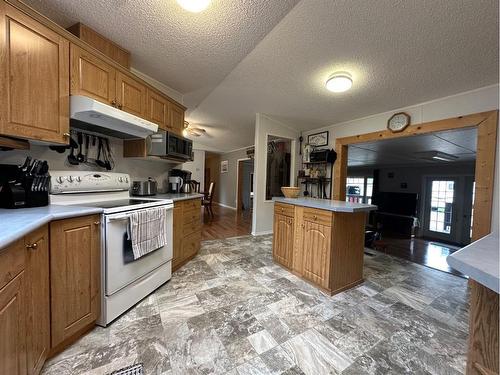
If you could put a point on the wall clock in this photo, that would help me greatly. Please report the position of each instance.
(398, 122)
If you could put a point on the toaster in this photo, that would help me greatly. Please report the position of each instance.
(144, 188)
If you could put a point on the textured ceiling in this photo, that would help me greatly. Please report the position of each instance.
(399, 151)
(399, 53)
(189, 52)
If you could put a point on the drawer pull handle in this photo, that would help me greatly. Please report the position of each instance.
(32, 246)
(315, 217)
(96, 223)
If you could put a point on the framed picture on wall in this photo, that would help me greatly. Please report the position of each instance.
(224, 166)
(318, 139)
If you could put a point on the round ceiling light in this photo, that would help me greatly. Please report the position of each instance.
(194, 6)
(339, 82)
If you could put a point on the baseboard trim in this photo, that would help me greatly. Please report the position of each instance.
(225, 205)
(255, 234)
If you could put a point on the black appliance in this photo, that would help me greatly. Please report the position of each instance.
(26, 185)
(323, 155)
(174, 185)
(179, 147)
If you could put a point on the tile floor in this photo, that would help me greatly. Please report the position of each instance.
(233, 311)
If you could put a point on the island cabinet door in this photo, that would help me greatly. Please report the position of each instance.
(75, 275)
(283, 239)
(316, 243)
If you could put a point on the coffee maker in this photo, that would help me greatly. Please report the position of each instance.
(178, 178)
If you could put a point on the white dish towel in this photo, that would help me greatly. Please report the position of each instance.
(147, 230)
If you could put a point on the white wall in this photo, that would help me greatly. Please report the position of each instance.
(262, 220)
(196, 167)
(480, 100)
(228, 182)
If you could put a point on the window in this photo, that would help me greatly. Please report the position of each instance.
(359, 189)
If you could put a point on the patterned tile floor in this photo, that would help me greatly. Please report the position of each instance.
(233, 311)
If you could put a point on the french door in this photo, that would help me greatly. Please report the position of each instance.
(440, 208)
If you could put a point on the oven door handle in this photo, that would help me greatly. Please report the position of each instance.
(117, 218)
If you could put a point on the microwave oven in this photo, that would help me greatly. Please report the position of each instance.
(169, 145)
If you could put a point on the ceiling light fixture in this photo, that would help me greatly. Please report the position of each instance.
(436, 155)
(339, 82)
(194, 6)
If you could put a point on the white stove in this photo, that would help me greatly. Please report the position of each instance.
(124, 282)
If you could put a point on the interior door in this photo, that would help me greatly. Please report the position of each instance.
(440, 208)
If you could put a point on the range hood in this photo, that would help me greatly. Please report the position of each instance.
(89, 114)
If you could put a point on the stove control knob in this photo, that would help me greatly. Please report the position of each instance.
(120, 179)
(69, 179)
(60, 180)
(126, 180)
(78, 179)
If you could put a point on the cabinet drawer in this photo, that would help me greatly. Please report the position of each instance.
(284, 209)
(194, 226)
(191, 244)
(191, 204)
(12, 261)
(313, 215)
(191, 216)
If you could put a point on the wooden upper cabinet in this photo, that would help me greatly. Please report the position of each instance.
(37, 245)
(92, 77)
(34, 79)
(316, 242)
(130, 95)
(158, 110)
(75, 275)
(176, 118)
(283, 239)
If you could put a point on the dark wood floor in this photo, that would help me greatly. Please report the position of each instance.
(428, 253)
(226, 223)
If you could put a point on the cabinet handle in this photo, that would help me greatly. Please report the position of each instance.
(119, 106)
(32, 246)
(303, 225)
(97, 223)
(113, 103)
(315, 217)
(67, 135)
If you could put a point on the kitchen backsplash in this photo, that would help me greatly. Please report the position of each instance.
(136, 168)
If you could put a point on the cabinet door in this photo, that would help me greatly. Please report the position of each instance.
(75, 275)
(316, 244)
(13, 326)
(37, 244)
(92, 77)
(158, 110)
(176, 119)
(34, 79)
(130, 95)
(283, 239)
(191, 245)
(178, 234)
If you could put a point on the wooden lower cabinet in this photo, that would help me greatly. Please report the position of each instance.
(316, 248)
(75, 275)
(187, 231)
(38, 290)
(283, 229)
(24, 304)
(323, 247)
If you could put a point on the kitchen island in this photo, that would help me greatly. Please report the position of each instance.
(321, 240)
(480, 261)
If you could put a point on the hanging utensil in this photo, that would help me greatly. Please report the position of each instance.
(80, 156)
(86, 149)
(98, 160)
(110, 157)
(71, 157)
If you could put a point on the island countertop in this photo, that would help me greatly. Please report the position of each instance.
(327, 204)
(480, 261)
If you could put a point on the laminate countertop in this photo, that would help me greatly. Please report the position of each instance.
(16, 223)
(480, 261)
(178, 196)
(327, 204)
